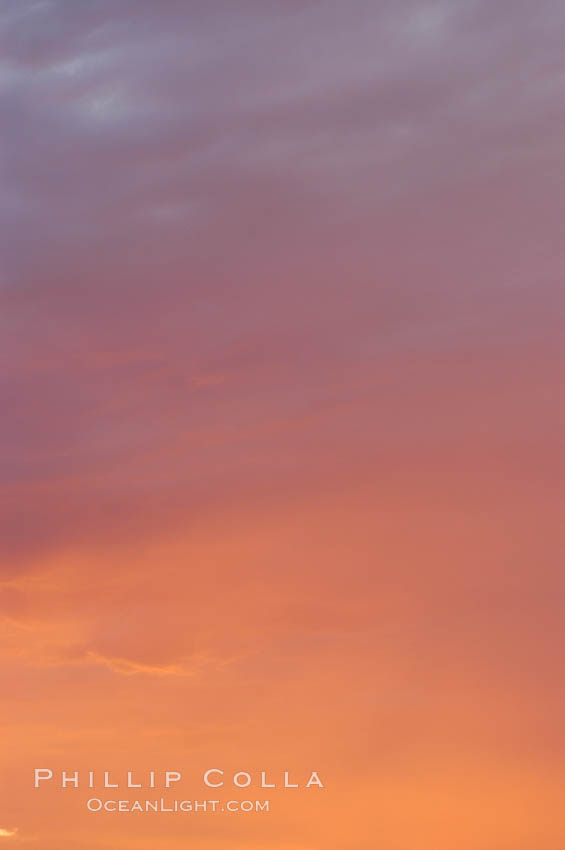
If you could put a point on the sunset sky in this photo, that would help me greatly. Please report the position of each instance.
(282, 350)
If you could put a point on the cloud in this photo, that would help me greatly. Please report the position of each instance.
(127, 667)
(280, 312)
(8, 833)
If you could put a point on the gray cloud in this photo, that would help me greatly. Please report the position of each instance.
(277, 195)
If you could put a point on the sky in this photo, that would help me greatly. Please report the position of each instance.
(281, 352)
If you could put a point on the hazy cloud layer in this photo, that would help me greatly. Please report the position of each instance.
(281, 323)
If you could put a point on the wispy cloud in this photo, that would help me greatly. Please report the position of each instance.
(126, 667)
(8, 833)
